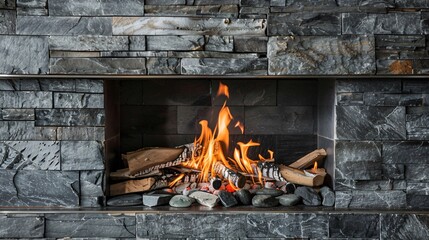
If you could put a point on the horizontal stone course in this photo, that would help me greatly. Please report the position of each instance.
(175, 43)
(7, 22)
(306, 55)
(70, 117)
(78, 100)
(41, 25)
(395, 199)
(22, 226)
(25, 99)
(307, 23)
(187, 26)
(223, 66)
(97, 66)
(88, 43)
(25, 130)
(225, 11)
(96, 8)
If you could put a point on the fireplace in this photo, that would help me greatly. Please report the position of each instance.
(84, 81)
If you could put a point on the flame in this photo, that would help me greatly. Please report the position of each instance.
(214, 145)
(223, 90)
(314, 169)
(176, 180)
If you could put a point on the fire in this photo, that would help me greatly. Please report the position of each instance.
(215, 144)
(314, 169)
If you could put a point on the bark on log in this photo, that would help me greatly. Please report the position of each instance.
(308, 160)
(270, 170)
(124, 174)
(301, 177)
(234, 177)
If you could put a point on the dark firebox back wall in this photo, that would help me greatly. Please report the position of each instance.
(279, 114)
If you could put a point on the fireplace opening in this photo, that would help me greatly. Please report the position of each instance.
(290, 117)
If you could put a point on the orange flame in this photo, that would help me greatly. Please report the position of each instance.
(241, 126)
(314, 169)
(215, 143)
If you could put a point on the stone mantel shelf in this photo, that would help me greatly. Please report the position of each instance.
(118, 76)
(207, 210)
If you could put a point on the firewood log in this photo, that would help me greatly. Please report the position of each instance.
(124, 174)
(308, 160)
(132, 186)
(270, 170)
(234, 177)
(301, 177)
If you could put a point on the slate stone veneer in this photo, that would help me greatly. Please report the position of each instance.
(52, 130)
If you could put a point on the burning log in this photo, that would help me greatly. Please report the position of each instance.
(234, 177)
(301, 177)
(270, 170)
(308, 160)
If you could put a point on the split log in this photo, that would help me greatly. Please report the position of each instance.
(124, 174)
(308, 160)
(132, 186)
(149, 157)
(301, 177)
(186, 155)
(234, 177)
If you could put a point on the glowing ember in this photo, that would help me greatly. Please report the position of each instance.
(214, 146)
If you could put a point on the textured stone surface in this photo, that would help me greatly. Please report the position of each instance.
(91, 183)
(25, 130)
(223, 66)
(354, 225)
(264, 201)
(349, 99)
(369, 185)
(399, 41)
(393, 171)
(89, 85)
(383, 99)
(41, 155)
(41, 25)
(227, 199)
(250, 44)
(188, 225)
(25, 99)
(307, 23)
(26, 226)
(70, 117)
(81, 133)
(369, 85)
(291, 225)
(96, 8)
(97, 66)
(88, 43)
(405, 152)
(226, 11)
(126, 200)
(39, 188)
(205, 199)
(159, 66)
(153, 200)
(309, 196)
(219, 43)
(358, 160)
(404, 226)
(244, 196)
(370, 123)
(81, 155)
(33, 59)
(7, 4)
(187, 26)
(416, 172)
(17, 114)
(175, 43)
(279, 120)
(328, 196)
(89, 225)
(370, 199)
(289, 200)
(321, 55)
(181, 201)
(270, 191)
(417, 126)
(78, 100)
(393, 23)
(7, 22)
